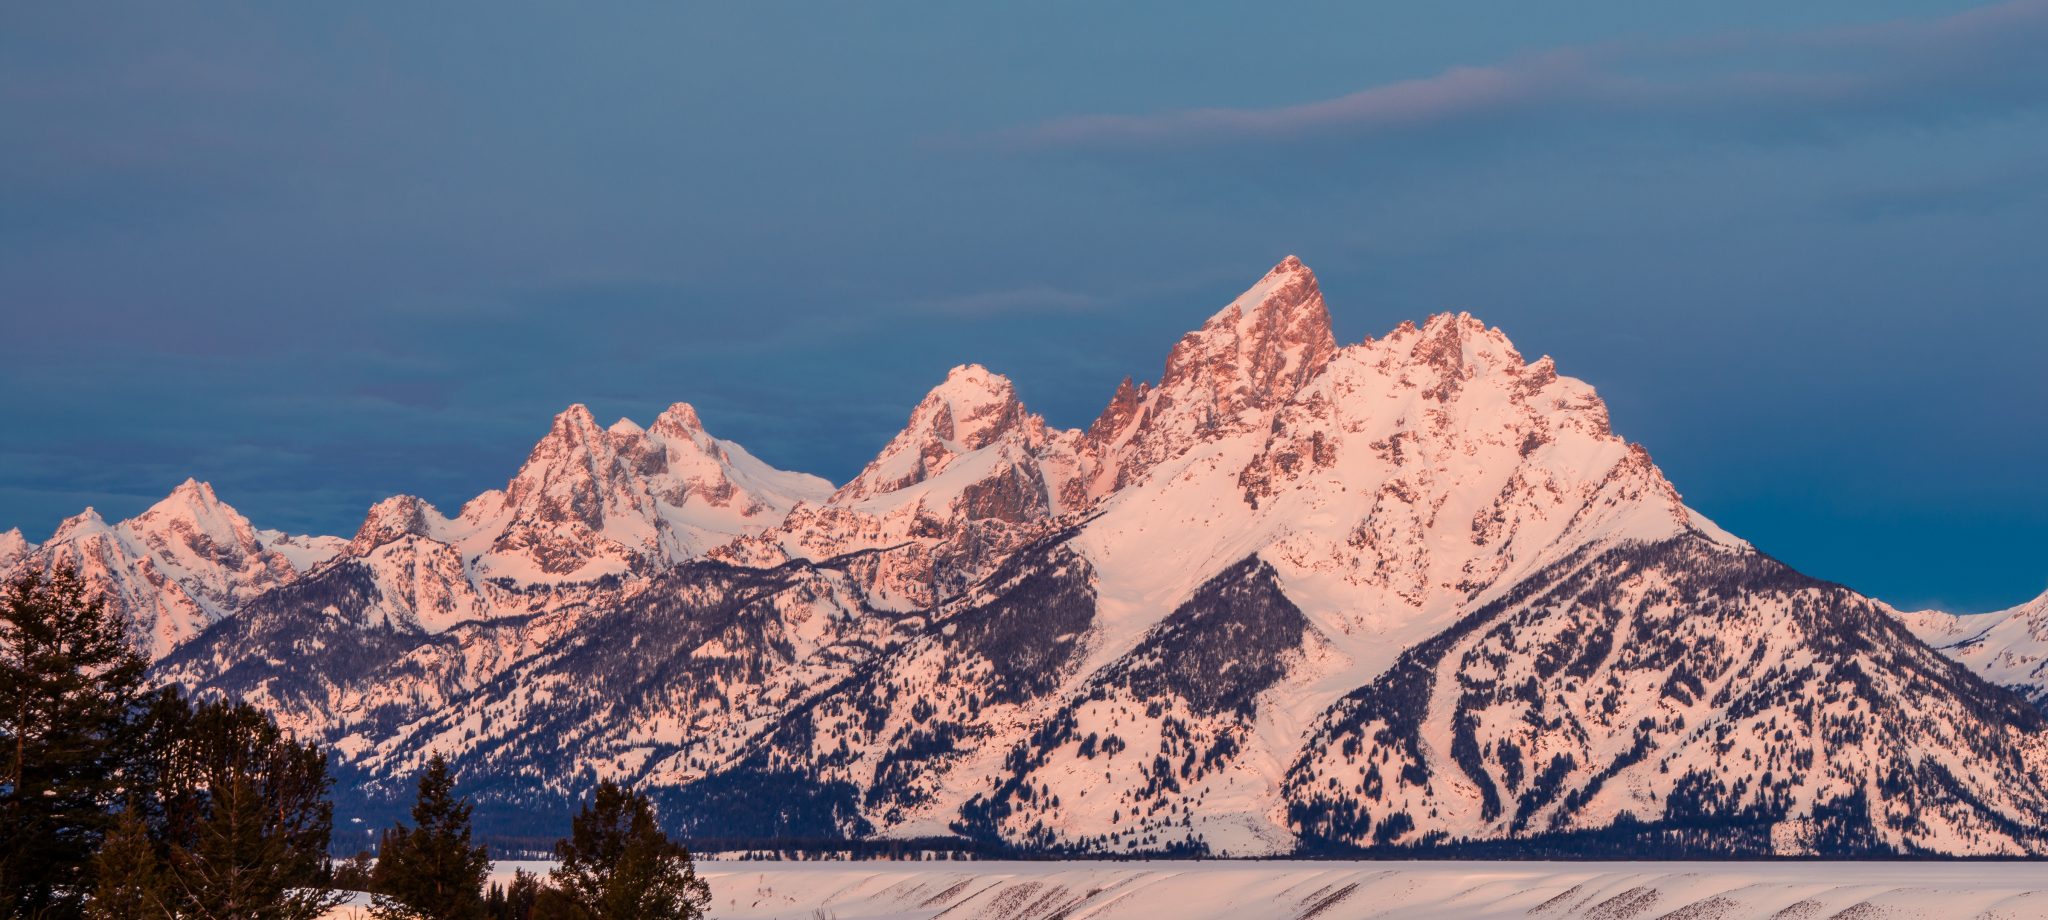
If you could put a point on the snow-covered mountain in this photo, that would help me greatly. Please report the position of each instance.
(419, 609)
(1407, 592)
(2007, 647)
(176, 568)
(972, 476)
(589, 507)
(1687, 684)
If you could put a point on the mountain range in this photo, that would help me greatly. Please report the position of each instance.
(1407, 594)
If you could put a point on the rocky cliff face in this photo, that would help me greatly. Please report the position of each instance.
(1222, 380)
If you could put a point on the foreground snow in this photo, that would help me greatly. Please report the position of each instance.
(1330, 890)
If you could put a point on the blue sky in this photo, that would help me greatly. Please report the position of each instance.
(321, 255)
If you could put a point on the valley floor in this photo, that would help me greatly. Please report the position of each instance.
(1332, 890)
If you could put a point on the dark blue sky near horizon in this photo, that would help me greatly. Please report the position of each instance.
(318, 256)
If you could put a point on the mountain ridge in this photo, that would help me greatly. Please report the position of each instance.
(1197, 625)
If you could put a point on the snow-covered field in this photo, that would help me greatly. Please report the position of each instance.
(1333, 890)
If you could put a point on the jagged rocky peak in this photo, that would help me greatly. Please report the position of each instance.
(574, 427)
(677, 441)
(1226, 377)
(191, 499)
(678, 421)
(1261, 348)
(564, 475)
(1123, 408)
(394, 518)
(179, 566)
(973, 409)
(591, 502)
(192, 519)
(1458, 345)
(1451, 351)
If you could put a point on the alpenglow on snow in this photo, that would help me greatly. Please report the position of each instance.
(1411, 593)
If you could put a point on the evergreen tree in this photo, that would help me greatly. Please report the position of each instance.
(431, 871)
(130, 876)
(616, 864)
(552, 903)
(245, 813)
(68, 685)
(515, 901)
(353, 873)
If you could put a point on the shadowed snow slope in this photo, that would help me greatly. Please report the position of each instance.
(2007, 647)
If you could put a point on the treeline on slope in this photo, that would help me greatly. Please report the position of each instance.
(121, 801)
(1841, 830)
(1709, 811)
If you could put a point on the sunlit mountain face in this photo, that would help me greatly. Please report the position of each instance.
(1410, 593)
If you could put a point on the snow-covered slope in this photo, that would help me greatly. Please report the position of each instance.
(2007, 647)
(1409, 592)
(1702, 690)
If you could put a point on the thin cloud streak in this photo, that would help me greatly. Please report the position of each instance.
(1990, 51)
(1455, 93)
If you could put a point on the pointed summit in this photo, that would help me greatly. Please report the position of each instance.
(83, 523)
(576, 420)
(13, 546)
(1230, 375)
(194, 497)
(1263, 346)
(395, 518)
(678, 421)
(567, 474)
(973, 408)
(195, 529)
(1256, 352)
(592, 502)
(195, 504)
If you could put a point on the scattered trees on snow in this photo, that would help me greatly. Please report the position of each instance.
(118, 801)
